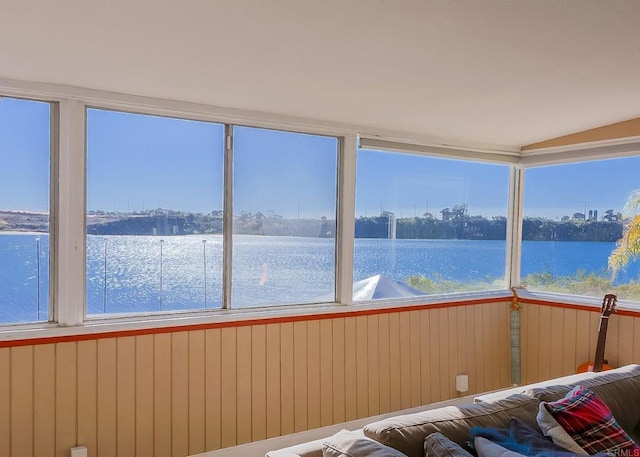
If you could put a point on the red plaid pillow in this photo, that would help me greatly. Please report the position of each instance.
(590, 423)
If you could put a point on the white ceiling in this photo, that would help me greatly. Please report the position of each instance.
(496, 73)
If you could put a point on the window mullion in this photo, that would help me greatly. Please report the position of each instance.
(227, 214)
(346, 219)
(514, 227)
(69, 210)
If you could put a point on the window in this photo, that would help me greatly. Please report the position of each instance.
(427, 225)
(284, 217)
(573, 218)
(154, 213)
(25, 150)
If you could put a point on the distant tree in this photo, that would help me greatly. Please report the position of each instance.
(459, 212)
(578, 216)
(446, 214)
(608, 215)
(565, 219)
(628, 248)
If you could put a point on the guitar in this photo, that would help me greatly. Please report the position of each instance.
(608, 308)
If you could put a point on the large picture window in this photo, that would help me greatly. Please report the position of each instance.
(25, 150)
(574, 216)
(154, 213)
(427, 225)
(284, 217)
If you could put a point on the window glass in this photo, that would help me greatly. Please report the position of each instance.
(574, 216)
(154, 213)
(25, 151)
(427, 225)
(284, 217)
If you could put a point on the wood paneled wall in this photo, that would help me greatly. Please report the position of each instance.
(175, 394)
(555, 340)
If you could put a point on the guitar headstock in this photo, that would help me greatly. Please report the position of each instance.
(609, 305)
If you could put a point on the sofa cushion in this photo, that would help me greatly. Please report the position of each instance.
(614, 387)
(438, 445)
(407, 433)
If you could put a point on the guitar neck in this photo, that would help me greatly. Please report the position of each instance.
(602, 338)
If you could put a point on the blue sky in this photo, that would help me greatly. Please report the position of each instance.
(140, 162)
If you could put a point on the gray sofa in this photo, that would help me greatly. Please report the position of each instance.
(619, 388)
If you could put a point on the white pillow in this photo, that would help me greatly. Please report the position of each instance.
(353, 444)
(486, 448)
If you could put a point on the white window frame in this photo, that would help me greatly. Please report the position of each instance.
(68, 204)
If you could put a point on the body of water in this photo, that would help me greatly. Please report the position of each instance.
(140, 273)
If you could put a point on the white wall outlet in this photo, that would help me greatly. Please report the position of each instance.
(80, 451)
(462, 382)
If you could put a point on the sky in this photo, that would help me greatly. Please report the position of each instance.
(138, 162)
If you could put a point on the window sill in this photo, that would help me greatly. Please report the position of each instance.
(132, 325)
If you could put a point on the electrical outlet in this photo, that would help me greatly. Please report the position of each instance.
(79, 451)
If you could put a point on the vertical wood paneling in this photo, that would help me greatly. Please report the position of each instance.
(452, 337)
(213, 383)
(107, 420)
(503, 328)
(273, 380)
(625, 340)
(443, 348)
(470, 338)
(126, 395)
(144, 395)
(180, 393)
(162, 395)
(384, 357)
(196, 392)
(434, 354)
(243, 351)
(350, 368)
(569, 341)
(394, 365)
(5, 401)
(532, 347)
(300, 375)
(258, 382)
(462, 367)
(228, 387)
(636, 340)
(556, 341)
(339, 380)
(326, 372)
(313, 374)
(582, 337)
(416, 391)
(362, 372)
(373, 365)
(44, 407)
(22, 401)
(66, 397)
(186, 392)
(287, 378)
(88, 395)
(405, 360)
(425, 369)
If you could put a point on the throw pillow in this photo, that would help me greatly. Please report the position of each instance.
(590, 423)
(486, 448)
(438, 445)
(347, 444)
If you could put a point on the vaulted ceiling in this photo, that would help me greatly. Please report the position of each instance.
(490, 73)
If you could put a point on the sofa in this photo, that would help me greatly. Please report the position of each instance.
(405, 435)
